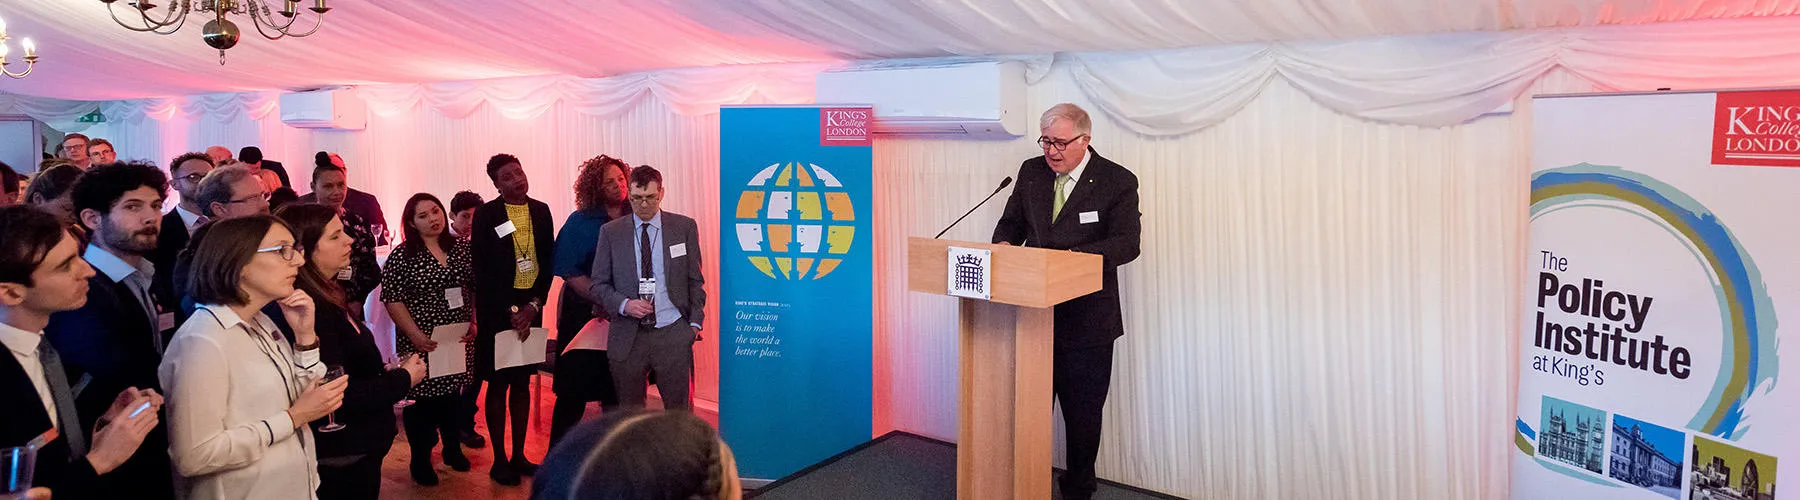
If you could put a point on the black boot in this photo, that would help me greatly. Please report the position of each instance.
(503, 474)
(422, 472)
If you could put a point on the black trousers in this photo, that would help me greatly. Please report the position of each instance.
(427, 419)
(509, 393)
(358, 480)
(1080, 379)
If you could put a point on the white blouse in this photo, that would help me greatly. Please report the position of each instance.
(230, 383)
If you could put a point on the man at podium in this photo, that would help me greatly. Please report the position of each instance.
(1072, 199)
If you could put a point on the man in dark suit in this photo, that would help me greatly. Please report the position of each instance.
(185, 173)
(1072, 199)
(42, 273)
(252, 156)
(647, 267)
(115, 341)
(512, 241)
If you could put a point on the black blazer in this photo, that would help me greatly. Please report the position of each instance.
(494, 269)
(169, 242)
(368, 411)
(107, 346)
(1109, 192)
(280, 172)
(25, 419)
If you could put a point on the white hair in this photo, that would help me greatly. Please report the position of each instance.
(1067, 111)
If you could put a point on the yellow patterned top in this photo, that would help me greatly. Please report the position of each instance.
(524, 244)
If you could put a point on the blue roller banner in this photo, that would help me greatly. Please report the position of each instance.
(796, 280)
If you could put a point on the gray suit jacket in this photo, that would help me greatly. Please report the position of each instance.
(615, 274)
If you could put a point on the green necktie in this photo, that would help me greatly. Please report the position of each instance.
(1056, 208)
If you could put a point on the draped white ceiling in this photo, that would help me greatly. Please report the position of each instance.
(87, 56)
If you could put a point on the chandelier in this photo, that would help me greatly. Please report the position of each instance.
(31, 56)
(219, 33)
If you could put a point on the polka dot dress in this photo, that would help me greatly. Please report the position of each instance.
(415, 278)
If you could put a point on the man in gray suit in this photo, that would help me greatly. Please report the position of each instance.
(647, 269)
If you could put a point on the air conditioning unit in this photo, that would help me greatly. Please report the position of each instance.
(982, 100)
(331, 109)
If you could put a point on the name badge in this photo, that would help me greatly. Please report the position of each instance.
(504, 229)
(345, 274)
(525, 266)
(647, 286)
(454, 297)
(165, 322)
(678, 250)
(1090, 217)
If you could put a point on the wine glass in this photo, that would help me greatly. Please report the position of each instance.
(332, 373)
(407, 400)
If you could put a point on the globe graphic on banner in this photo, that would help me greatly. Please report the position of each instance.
(794, 221)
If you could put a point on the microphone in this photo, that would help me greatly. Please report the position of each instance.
(1003, 185)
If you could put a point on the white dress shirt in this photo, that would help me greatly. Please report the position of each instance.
(1075, 175)
(24, 347)
(230, 382)
(189, 220)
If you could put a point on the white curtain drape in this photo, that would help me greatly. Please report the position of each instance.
(1328, 289)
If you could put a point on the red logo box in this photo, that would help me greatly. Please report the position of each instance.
(1760, 128)
(844, 126)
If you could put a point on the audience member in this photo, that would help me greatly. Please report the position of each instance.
(101, 152)
(426, 285)
(463, 207)
(42, 273)
(640, 455)
(350, 457)
(115, 341)
(330, 187)
(362, 204)
(271, 172)
(52, 191)
(282, 196)
(225, 193)
(510, 243)
(582, 371)
(178, 225)
(647, 267)
(75, 149)
(219, 154)
(9, 185)
(240, 395)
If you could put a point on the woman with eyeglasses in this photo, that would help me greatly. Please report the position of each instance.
(425, 286)
(349, 457)
(239, 394)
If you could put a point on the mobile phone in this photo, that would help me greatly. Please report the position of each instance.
(140, 409)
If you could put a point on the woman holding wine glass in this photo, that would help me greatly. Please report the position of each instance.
(237, 408)
(354, 440)
(426, 286)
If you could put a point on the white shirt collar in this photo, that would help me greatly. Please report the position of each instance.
(188, 219)
(24, 343)
(229, 319)
(655, 221)
(115, 267)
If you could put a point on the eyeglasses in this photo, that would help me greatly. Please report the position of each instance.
(643, 198)
(1048, 143)
(287, 251)
(247, 199)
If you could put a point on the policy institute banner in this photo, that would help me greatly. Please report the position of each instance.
(1664, 256)
(797, 283)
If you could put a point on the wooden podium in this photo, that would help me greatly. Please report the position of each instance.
(1003, 445)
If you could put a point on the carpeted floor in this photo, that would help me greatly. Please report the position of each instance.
(898, 466)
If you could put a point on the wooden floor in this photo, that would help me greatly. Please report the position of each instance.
(397, 483)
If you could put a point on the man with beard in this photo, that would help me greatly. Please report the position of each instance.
(114, 342)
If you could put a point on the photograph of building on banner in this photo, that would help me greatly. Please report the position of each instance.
(1647, 455)
(1726, 472)
(1573, 434)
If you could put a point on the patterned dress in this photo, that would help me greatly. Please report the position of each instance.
(415, 278)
